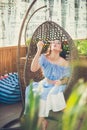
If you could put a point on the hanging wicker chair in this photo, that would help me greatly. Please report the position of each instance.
(47, 31)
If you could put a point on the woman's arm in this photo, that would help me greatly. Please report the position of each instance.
(35, 62)
(61, 81)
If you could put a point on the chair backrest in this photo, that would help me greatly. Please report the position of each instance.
(48, 31)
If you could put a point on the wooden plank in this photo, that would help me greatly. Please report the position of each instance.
(8, 58)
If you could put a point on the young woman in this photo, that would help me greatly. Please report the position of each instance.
(56, 72)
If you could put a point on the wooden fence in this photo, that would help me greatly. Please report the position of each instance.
(8, 58)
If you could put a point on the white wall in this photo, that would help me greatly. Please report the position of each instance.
(12, 12)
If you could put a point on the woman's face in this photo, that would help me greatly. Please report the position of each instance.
(56, 45)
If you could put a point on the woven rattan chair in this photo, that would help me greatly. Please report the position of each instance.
(48, 31)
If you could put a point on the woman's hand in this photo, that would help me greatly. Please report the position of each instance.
(40, 45)
(58, 82)
(61, 81)
(35, 62)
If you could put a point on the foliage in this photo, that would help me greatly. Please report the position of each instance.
(30, 119)
(81, 47)
(75, 115)
(28, 41)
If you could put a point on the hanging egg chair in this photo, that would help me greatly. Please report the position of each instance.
(48, 31)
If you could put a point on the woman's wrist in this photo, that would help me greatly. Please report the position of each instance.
(64, 80)
(38, 52)
(58, 82)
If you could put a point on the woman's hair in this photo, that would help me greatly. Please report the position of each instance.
(48, 52)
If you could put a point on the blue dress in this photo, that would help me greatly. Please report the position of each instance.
(51, 97)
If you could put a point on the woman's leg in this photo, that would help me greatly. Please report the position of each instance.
(42, 122)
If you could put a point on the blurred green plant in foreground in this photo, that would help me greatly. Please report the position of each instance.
(75, 115)
(30, 118)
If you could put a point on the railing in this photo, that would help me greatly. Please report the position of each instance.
(8, 58)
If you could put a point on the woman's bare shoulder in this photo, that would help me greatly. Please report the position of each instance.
(64, 62)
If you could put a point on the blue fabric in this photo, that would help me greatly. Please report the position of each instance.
(10, 89)
(52, 72)
(46, 88)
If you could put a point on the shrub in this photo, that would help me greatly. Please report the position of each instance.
(81, 47)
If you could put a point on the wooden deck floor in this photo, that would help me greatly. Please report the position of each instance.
(9, 112)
